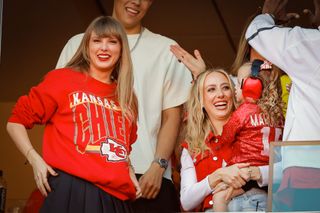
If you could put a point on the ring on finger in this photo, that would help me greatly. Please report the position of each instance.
(249, 172)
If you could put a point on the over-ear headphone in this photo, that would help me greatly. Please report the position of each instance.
(252, 86)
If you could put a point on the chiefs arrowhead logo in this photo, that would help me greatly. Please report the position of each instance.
(113, 150)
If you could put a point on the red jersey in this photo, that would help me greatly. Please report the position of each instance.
(250, 135)
(86, 134)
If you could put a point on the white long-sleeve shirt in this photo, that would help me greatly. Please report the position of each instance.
(297, 52)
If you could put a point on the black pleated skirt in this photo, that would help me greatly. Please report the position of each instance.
(72, 194)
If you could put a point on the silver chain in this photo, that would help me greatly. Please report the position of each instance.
(137, 41)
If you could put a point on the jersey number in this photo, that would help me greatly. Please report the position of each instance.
(268, 136)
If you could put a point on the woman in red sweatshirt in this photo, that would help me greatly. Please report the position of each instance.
(89, 111)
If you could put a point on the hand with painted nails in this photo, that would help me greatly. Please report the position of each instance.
(194, 63)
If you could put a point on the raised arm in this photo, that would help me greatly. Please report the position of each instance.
(277, 9)
(194, 63)
(283, 46)
(314, 17)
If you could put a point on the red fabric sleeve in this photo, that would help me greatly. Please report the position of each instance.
(39, 105)
(231, 128)
(133, 135)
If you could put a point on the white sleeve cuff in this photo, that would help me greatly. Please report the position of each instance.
(268, 17)
(208, 188)
(264, 170)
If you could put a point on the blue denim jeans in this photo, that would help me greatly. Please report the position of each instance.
(253, 200)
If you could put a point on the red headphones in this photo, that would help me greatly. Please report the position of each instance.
(252, 86)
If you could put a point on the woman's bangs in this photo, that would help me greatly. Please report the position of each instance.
(104, 30)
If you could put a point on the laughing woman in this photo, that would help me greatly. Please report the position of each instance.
(204, 155)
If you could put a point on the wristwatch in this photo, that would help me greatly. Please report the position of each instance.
(162, 162)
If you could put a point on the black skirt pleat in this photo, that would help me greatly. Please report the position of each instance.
(72, 194)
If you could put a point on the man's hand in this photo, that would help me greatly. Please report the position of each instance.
(314, 18)
(277, 8)
(150, 182)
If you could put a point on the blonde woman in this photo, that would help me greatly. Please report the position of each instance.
(209, 107)
(89, 111)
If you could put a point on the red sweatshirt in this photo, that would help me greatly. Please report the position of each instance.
(85, 133)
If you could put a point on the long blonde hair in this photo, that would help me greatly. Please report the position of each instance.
(243, 52)
(105, 26)
(198, 124)
(270, 102)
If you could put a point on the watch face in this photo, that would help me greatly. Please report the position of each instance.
(163, 163)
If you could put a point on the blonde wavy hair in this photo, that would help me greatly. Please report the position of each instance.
(105, 26)
(198, 124)
(270, 102)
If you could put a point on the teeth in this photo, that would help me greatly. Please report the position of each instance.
(220, 104)
(104, 56)
(132, 11)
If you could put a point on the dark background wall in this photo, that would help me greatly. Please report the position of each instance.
(34, 32)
